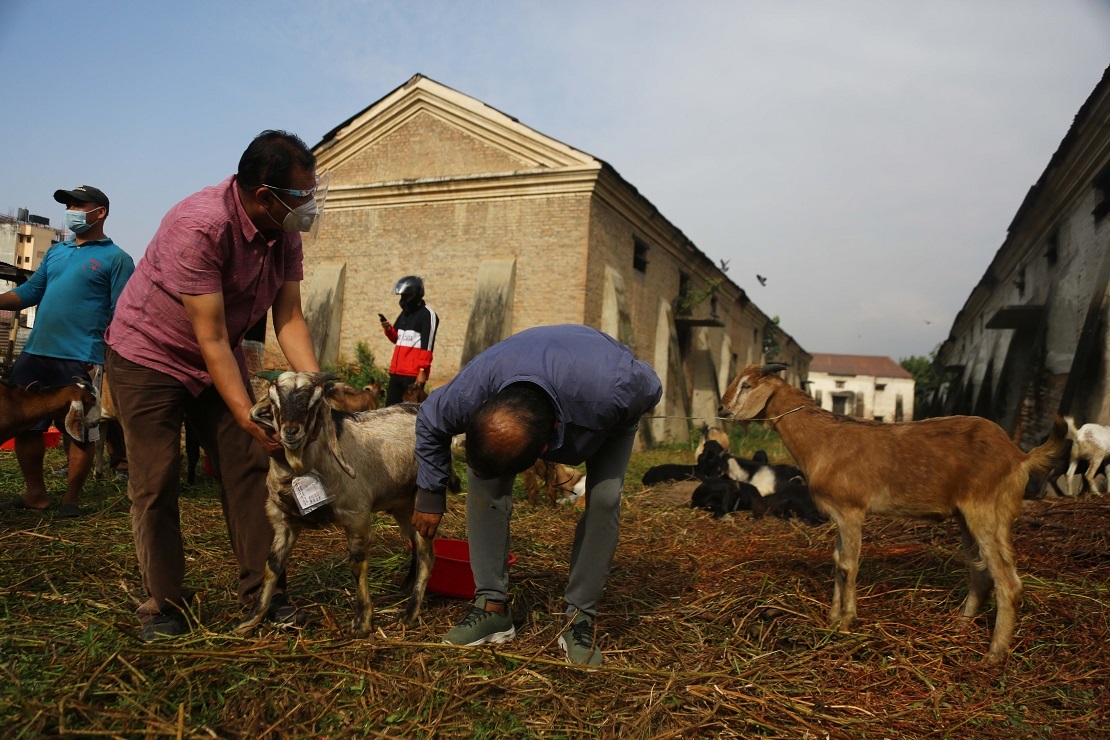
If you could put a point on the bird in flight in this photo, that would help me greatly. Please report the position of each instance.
(762, 280)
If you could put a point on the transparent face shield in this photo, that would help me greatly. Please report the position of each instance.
(322, 182)
(296, 219)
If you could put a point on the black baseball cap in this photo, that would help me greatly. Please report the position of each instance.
(82, 194)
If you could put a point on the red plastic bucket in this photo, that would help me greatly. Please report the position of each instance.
(451, 574)
(51, 438)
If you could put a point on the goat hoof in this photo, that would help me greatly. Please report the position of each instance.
(246, 628)
(992, 659)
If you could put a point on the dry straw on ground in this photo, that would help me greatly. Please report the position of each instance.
(711, 629)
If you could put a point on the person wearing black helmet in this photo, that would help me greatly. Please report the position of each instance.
(414, 333)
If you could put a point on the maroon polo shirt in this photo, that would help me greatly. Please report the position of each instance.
(205, 244)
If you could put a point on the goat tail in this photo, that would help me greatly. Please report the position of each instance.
(1040, 460)
(1073, 433)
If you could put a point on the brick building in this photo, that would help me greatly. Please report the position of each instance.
(1031, 338)
(512, 229)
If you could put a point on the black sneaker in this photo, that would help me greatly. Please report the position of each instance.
(164, 626)
(282, 613)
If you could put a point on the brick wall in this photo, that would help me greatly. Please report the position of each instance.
(445, 243)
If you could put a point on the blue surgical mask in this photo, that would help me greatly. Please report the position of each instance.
(75, 221)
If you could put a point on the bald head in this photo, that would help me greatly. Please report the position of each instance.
(511, 430)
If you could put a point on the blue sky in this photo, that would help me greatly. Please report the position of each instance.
(866, 157)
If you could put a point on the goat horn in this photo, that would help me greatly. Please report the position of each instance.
(774, 367)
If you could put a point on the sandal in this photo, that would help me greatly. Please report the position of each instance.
(69, 511)
(17, 504)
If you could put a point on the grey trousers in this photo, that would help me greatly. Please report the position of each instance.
(489, 507)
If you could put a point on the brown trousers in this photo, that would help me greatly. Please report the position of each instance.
(152, 407)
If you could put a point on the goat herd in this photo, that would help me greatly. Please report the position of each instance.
(963, 467)
(730, 484)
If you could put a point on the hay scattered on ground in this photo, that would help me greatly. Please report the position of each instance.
(710, 628)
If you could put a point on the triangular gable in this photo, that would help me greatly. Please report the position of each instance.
(425, 114)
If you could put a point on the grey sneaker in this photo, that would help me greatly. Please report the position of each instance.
(577, 641)
(479, 626)
(164, 626)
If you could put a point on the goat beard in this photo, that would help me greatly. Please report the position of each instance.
(295, 459)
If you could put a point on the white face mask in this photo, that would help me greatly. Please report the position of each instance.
(300, 218)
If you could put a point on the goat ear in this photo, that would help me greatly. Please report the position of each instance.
(262, 414)
(75, 420)
(332, 441)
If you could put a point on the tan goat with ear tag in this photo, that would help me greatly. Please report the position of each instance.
(367, 463)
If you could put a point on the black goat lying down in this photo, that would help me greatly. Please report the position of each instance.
(662, 473)
(721, 496)
(767, 478)
(712, 463)
(794, 500)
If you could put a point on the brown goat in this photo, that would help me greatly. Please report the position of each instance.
(351, 400)
(554, 476)
(720, 436)
(415, 393)
(960, 466)
(71, 407)
(374, 387)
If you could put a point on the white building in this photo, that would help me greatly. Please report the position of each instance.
(863, 386)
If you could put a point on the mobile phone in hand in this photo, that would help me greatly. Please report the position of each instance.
(381, 318)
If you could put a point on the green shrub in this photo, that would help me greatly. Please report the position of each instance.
(360, 372)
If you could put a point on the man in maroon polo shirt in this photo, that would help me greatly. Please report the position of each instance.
(221, 259)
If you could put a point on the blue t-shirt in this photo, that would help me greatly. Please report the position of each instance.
(75, 288)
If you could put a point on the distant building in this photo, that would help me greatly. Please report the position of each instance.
(1031, 339)
(863, 386)
(512, 229)
(24, 241)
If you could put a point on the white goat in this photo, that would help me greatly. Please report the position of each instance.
(962, 466)
(72, 407)
(1091, 442)
(366, 460)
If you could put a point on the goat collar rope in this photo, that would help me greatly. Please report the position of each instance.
(724, 418)
(773, 419)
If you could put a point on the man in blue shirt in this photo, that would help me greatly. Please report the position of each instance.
(75, 289)
(566, 394)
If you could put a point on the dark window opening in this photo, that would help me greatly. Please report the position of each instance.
(1052, 250)
(1102, 194)
(1019, 281)
(880, 386)
(639, 256)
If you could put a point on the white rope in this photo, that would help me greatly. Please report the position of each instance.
(722, 418)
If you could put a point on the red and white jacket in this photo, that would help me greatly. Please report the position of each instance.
(414, 333)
